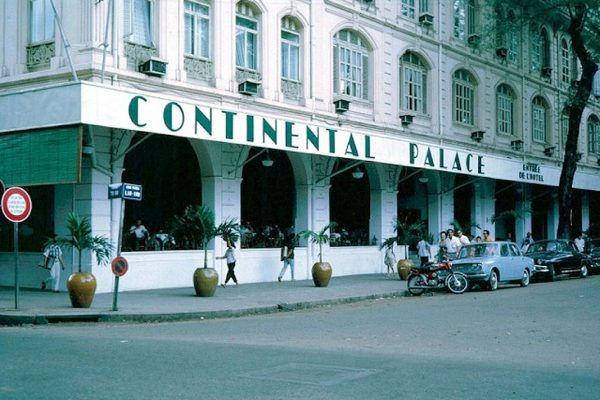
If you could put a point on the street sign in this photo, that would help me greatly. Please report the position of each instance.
(125, 191)
(16, 204)
(119, 266)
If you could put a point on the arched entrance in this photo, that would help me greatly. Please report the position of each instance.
(349, 205)
(268, 199)
(168, 170)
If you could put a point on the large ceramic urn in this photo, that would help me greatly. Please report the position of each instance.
(82, 288)
(404, 267)
(321, 273)
(205, 281)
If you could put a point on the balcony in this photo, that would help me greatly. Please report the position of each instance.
(39, 55)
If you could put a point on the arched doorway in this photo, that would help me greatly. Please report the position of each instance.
(168, 170)
(268, 199)
(505, 213)
(463, 195)
(349, 205)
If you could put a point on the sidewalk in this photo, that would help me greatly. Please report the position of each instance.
(42, 307)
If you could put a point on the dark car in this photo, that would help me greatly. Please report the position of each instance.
(558, 257)
(593, 250)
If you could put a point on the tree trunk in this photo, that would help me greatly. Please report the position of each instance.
(575, 106)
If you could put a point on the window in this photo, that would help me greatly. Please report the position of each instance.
(594, 135)
(505, 104)
(413, 91)
(513, 41)
(596, 84)
(407, 8)
(540, 50)
(138, 21)
(464, 97)
(565, 62)
(564, 126)
(351, 65)
(197, 29)
(538, 120)
(290, 49)
(42, 21)
(246, 37)
(464, 18)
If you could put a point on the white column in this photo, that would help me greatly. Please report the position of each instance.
(483, 207)
(552, 217)
(523, 224)
(585, 211)
(303, 203)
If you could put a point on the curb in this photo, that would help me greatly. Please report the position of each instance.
(44, 319)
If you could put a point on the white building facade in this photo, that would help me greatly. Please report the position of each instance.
(370, 110)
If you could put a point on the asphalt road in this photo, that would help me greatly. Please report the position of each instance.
(539, 342)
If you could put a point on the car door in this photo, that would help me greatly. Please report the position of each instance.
(507, 270)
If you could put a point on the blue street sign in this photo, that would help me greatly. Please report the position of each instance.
(125, 191)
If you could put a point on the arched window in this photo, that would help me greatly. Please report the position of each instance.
(539, 111)
(413, 91)
(291, 84)
(351, 65)
(464, 17)
(138, 21)
(464, 97)
(412, 8)
(513, 41)
(564, 126)
(41, 21)
(505, 110)
(197, 29)
(565, 62)
(540, 50)
(593, 135)
(246, 36)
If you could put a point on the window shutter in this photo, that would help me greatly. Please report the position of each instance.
(336, 70)
(365, 77)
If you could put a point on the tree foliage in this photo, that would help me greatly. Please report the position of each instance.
(580, 21)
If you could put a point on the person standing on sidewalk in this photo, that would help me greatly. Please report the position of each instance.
(230, 257)
(424, 250)
(287, 256)
(53, 260)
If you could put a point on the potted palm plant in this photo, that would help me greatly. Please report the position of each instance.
(407, 234)
(82, 285)
(321, 271)
(197, 227)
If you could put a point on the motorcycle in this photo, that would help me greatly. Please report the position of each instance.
(435, 276)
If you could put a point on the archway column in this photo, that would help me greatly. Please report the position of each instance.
(552, 217)
(585, 211)
(523, 224)
(483, 207)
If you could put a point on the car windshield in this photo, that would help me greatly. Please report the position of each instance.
(479, 250)
(542, 246)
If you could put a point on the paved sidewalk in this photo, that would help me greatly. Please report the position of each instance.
(41, 307)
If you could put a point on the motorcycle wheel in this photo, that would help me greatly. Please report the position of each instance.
(457, 283)
(412, 283)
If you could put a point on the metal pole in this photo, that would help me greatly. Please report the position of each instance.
(105, 43)
(16, 248)
(66, 43)
(121, 215)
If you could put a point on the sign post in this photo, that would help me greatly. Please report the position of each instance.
(16, 207)
(123, 191)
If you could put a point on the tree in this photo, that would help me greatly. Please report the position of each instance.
(581, 20)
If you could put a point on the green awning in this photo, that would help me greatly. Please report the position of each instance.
(41, 157)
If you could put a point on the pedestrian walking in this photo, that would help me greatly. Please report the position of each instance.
(53, 260)
(390, 260)
(230, 257)
(424, 251)
(287, 256)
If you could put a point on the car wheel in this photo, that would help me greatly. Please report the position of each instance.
(492, 283)
(583, 272)
(525, 278)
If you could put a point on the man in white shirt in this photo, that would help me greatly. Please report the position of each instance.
(579, 243)
(453, 244)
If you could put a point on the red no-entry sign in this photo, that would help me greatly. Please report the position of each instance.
(119, 266)
(16, 204)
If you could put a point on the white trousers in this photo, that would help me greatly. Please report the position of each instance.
(54, 276)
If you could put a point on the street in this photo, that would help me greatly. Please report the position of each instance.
(538, 342)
